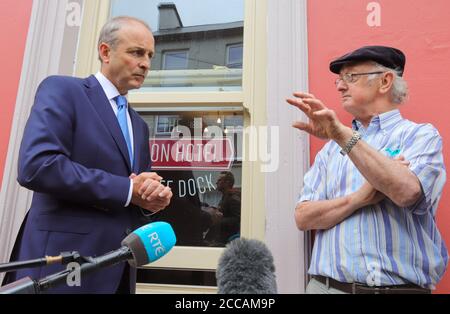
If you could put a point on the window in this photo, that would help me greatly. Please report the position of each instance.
(198, 161)
(192, 37)
(194, 98)
(234, 56)
(175, 60)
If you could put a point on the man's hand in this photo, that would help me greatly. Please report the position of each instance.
(401, 159)
(149, 193)
(367, 195)
(215, 214)
(323, 122)
(144, 176)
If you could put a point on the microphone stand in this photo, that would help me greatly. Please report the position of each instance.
(92, 265)
(64, 258)
(23, 286)
(29, 286)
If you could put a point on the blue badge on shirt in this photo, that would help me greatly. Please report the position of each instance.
(392, 153)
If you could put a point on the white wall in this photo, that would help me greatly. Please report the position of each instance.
(287, 72)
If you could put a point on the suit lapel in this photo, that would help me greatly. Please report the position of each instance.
(103, 107)
(137, 139)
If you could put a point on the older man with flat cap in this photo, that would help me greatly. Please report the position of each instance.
(373, 190)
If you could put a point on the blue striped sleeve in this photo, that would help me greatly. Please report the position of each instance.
(314, 183)
(423, 148)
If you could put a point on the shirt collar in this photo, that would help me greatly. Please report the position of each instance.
(389, 119)
(108, 87)
(384, 121)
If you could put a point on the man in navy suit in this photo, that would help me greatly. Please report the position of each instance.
(88, 168)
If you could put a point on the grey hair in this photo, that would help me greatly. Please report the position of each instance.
(108, 34)
(399, 90)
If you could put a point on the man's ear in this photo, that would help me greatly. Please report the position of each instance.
(386, 82)
(104, 52)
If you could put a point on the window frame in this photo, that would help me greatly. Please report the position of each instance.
(252, 99)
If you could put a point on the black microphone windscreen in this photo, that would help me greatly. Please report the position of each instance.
(246, 267)
(138, 250)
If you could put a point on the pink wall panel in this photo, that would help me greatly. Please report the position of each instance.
(14, 23)
(420, 29)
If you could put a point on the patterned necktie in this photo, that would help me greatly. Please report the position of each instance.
(122, 118)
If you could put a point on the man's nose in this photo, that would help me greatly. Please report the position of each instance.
(341, 85)
(145, 64)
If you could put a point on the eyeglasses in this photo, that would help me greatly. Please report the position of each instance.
(353, 77)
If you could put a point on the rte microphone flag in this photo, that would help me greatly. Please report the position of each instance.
(149, 243)
(145, 245)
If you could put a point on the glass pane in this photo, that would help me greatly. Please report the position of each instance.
(204, 30)
(235, 56)
(175, 60)
(165, 124)
(199, 155)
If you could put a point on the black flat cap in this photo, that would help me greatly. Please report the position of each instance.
(389, 57)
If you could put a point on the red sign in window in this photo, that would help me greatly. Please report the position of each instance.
(191, 154)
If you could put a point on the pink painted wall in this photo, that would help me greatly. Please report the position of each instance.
(14, 23)
(421, 29)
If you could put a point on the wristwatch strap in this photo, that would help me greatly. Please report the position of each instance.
(352, 142)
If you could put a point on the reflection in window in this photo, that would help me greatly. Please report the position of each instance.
(206, 206)
(234, 56)
(195, 45)
(166, 124)
(175, 60)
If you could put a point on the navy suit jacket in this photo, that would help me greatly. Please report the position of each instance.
(74, 157)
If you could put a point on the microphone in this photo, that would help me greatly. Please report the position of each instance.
(149, 243)
(246, 267)
(143, 246)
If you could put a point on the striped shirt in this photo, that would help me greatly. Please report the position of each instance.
(382, 244)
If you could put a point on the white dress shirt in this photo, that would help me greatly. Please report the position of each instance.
(111, 93)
